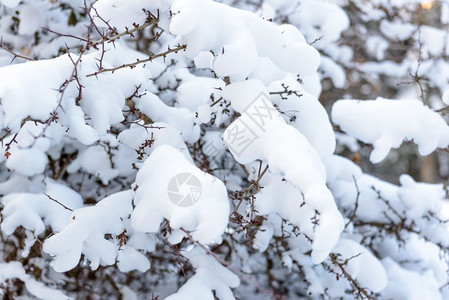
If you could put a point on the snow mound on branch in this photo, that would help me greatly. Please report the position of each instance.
(10, 3)
(206, 218)
(157, 134)
(361, 265)
(205, 25)
(28, 154)
(119, 14)
(305, 113)
(414, 199)
(15, 269)
(25, 95)
(35, 210)
(123, 14)
(181, 119)
(94, 160)
(209, 276)
(85, 234)
(406, 284)
(312, 17)
(387, 123)
(261, 133)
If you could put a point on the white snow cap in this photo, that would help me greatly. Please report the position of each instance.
(10, 3)
(171, 187)
(386, 123)
(205, 25)
(85, 233)
(362, 265)
(209, 275)
(261, 133)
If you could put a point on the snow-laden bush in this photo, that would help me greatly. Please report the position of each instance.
(178, 149)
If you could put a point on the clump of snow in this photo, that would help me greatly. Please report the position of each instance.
(32, 17)
(238, 44)
(14, 269)
(313, 17)
(29, 155)
(181, 119)
(94, 160)
(387, 123)
(304, 112)
(267, 137)
(405, 284)
(35, 210)
(85, 234)
(10, 3)
(397, 30)
(263, 236)
(157, 134)
(446, 97)
(122, 14)
(20, 100)
(362, 264)
(206, 218)
(209, 276)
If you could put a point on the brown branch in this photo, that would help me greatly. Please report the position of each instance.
(16, 55)
(361, 292)
(255, 184)
(126, 32)
(140, 61)
(54, 200)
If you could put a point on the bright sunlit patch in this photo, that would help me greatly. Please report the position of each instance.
(427, 4)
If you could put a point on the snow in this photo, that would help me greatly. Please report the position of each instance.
(263, 236)
(402, 120)
(343, 175)
(122, 14)
(85, 234)
(287, 149)
(35, 210)
(377, 46)
(404, 284)
(161, 133)
(362, 264)
(446, 97)
(35, 101)
(333, 71)
(237, 44)
(180, 119)
(31, 18)
(397, 30)
(169, 154)
(10, 3)
(94, 160)
(15, 269)
(311, 118)
(206, 218)
(209, 275)
(313, 17)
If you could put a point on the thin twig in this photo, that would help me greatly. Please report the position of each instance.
(16, 55)
(362, 292)
(356, 205)
(253, 185)
(140, 61)
(53, 199)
